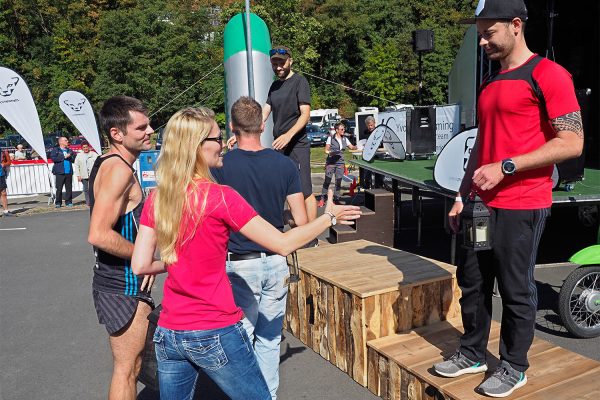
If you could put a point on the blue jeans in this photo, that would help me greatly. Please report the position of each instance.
(260, 288)
(224, 354)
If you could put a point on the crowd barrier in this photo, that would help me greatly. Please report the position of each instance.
(36, 177)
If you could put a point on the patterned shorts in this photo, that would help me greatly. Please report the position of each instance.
(115, 310)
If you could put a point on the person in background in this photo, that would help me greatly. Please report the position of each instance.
(188, 219)
(521, 136)
(334, 164)
(20, 153)
(369, 127)
(266, 179)
(366, 177)
(83, 166)
(5, 162)
(62, 156)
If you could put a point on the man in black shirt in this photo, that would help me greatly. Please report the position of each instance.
(289, 100)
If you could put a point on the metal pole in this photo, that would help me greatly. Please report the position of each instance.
(420, 79)
(249, 52)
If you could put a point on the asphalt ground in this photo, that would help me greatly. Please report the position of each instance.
(53, 347)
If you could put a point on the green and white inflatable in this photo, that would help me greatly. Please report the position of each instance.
(236, 69)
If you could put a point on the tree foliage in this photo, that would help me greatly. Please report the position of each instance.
(161, 51)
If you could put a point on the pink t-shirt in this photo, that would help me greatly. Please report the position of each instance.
(197, 292)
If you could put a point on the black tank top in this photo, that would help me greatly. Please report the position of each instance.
(111, 273)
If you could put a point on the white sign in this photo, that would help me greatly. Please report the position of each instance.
(79, 110)
(447, 125)
(373, 142)
(396, 121)
(452, 161)
(18, 108)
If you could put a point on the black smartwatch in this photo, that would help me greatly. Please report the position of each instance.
(508, 167)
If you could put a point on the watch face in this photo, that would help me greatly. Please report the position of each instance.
(508, 167)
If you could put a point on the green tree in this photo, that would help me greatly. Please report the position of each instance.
(382, 76)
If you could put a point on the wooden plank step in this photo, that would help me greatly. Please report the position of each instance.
(555, 373)
(366, 212)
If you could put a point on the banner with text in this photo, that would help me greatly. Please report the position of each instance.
(447, 125)
(79, 110)
(18, 108)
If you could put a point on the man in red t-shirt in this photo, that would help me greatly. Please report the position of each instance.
(529, 119)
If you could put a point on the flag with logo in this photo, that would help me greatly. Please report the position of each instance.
(79, 111)
(18, 108)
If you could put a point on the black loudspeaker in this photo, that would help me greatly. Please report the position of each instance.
(423, 41)
(420, 135)
(572, 170)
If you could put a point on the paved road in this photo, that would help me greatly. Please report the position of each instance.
(53, 348)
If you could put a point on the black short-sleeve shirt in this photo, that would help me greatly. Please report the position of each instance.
(285, 98)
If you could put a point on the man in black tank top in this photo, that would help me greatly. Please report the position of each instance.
(122, 299)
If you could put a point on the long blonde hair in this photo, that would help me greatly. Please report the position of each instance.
(180, 162)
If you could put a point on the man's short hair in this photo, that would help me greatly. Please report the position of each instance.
(115, 113)
(246, 116)
(370, 118)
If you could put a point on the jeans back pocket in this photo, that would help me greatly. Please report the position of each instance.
(206, 352)
(159, 343)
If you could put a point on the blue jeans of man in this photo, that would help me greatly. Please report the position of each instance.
(224, 354)
(260, 288)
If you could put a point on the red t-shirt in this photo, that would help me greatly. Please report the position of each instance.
(197, 292)
(513, 122)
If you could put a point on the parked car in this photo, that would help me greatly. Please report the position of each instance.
(159, 139)
(49, 143)
(15, 139)
(350, 130)
(329, 126)
(315, 136)
(75, 143)
(6, 144)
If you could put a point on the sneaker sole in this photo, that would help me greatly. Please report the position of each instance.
(470, 370)
(506, 394)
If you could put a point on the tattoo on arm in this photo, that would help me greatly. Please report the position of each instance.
(569, 122)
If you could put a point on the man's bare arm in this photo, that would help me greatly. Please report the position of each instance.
(567, 144)
(110, 202)
(302, 120)
(266, 111)
(284, 139)
(297, 208)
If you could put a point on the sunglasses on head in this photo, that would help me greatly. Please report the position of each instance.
(272, 52)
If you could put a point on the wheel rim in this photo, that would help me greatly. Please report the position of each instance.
(585, 301)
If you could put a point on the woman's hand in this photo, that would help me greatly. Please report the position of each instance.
(344, 215)
(231, 142)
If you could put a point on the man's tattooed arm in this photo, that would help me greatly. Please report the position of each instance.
(569, 122)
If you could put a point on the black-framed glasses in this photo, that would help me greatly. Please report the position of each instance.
(218, 140)
(283, 52)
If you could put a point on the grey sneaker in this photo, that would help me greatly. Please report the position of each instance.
(458, 365)
(503, 381)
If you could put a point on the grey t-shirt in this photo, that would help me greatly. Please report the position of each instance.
(285, 98)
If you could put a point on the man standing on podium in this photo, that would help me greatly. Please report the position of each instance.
(529, 120)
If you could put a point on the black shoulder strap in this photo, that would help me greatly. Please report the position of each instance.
(524, 72)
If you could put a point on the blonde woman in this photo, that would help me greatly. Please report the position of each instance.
(189, 218)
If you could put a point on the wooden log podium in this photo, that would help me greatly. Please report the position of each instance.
(353, 292)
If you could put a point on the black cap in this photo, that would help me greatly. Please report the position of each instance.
(498, 9)
(282, 52)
